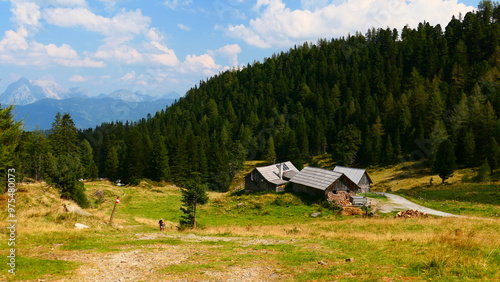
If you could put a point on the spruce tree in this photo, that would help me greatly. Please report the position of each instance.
(10, 132)
(33, 151)
(494, 154)
(270, 151)
(112, 164)
(468, 147)
(87, 159)
(348, 145)
(65, 170)
(159, 168)
(445, 162)
(193, 194)
(389, 150)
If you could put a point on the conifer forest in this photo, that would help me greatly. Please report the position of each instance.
(373, 98)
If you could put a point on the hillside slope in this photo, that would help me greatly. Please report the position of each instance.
(371, 99)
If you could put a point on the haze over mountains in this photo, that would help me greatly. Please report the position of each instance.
(37, 102)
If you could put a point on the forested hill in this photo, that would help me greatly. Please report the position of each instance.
(367, 99)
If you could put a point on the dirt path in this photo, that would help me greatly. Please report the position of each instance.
(147, 263)
(399, 203)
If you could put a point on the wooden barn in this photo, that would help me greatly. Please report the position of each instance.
(270, 178)
(358, 176)
(322, 182)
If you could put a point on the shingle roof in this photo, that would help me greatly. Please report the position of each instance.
(318, 178)
(271, 172)
(355, 174)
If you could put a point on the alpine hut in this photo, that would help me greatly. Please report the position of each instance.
(270, 178)
(358, 176)
(323, 182)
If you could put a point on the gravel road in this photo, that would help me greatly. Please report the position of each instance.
(400, 203)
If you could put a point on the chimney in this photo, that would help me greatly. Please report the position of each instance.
(281, 170)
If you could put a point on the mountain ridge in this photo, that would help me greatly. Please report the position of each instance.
(24, 91)
(36, 102)
(86, 112)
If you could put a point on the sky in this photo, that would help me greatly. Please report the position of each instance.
(157, 47)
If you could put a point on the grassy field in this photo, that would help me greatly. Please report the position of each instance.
(471, 199)
(267, 237)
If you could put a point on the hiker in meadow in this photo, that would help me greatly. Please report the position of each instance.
(162, 224)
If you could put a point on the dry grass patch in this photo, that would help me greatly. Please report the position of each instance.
(409, 175)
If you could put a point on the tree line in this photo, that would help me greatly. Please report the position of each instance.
(367, 99)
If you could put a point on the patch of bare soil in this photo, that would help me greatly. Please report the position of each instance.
(146, 262)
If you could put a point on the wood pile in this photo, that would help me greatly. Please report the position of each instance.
(351, 211)
(411, 213)
(342, 198)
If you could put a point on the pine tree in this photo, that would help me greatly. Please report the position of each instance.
(270, 152)
(87, 159)
(467, 151)
(437, 135)
(389, 150)
(33, 150)
(193, 194)
(377, 131)
(112, 164)
(494, 154)
(347, 146)
(10, 132)
(445, 163)
(159, 168)
(65, 170)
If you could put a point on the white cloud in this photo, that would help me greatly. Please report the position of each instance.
(280, 26)
(184, 27)
(119, 53)
(26, 14)
(14, 40)
(167, 59)
(176, 4)
(128, 76)
(124, 23)
(78, 78)
(154, 35)
(65, 51)
(204, 64)
(229, 51)
(86, 63)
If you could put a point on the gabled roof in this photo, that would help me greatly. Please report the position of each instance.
(355, 174)
(314, 177)
(271, 172)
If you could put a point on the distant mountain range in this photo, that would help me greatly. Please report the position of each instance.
(37, 102)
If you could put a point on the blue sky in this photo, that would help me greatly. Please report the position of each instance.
(156, 47)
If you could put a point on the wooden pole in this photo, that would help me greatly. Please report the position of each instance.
(114, 209)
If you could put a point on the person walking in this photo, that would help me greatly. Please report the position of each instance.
(162, 224)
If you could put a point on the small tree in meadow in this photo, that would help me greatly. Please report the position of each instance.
(193, 194)
(445, 163)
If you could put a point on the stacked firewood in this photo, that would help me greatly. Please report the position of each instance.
(340, 199)
(411, 213)
(351, 211)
